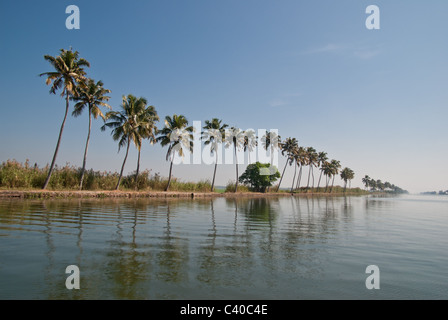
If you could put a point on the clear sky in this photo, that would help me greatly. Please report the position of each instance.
(377, 100)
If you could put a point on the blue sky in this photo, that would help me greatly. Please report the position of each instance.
(374, 99)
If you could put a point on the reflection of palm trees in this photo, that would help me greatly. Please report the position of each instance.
(174, 254)
(209, 263)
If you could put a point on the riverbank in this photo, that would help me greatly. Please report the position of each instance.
(65, 194)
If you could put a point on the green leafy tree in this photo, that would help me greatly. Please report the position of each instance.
(258, 176)
(67, 75)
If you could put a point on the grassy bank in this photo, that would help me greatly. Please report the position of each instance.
(15, 175)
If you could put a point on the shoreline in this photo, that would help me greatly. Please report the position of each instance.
(70, 194)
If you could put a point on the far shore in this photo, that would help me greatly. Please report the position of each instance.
(65, 194)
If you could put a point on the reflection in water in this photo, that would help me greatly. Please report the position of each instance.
(178, 249)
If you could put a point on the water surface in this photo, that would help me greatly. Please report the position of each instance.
(223, 248)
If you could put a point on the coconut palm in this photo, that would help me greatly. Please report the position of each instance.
(235, 137)
(347, 174)
(300, 161)
(288, 147)
(177, 135)
(321, 159)
(366, 180)
(327, 171)
(214, 134)
(126, 125)
(250, 142)
(271, 140)
(68, 74)
(311, 156)
(335, 165)
(294, 159)
(147, 119)
(91, 96)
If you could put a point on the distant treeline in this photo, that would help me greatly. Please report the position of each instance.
(378, 185)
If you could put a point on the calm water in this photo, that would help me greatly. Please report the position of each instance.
(277, 248)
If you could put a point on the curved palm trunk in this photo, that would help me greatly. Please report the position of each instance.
(169, 178)
(320, 176)
(332, 184)
(124, 162)
(236, 158)
(138, 169)
(278, 187)
(85, 152)
(57, 145)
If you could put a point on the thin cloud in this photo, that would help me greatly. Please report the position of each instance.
(346, 50)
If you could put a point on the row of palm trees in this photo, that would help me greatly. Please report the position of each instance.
(136, 122)
(300, 157)
(375, 185)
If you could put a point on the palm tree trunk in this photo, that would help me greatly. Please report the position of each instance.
(293, 179)
(85, 152)
(138, 169)
(309, 171)
(299, 178)
(320, 176)
(169, 177)
(332, 184)
(312, 172)
(214, 173)
(236, 158)
(278, 187)
(57, 145)
(124, 162)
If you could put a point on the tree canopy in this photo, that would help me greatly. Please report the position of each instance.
(258, 177)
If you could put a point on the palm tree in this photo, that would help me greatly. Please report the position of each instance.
(213, 135)
(271, 140)
(300, 161)
(347, 174)
(366, 180)
(250, 142)
(328, 171)
(147, 129)
(321, 159)
(235, 137)
(126, 125)
(288, 147)
(177, 135)
(311, 161)
(91, 96)
(69, 73)
(335, 166)
(294, 158)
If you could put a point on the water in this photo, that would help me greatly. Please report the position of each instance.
(249, 248)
